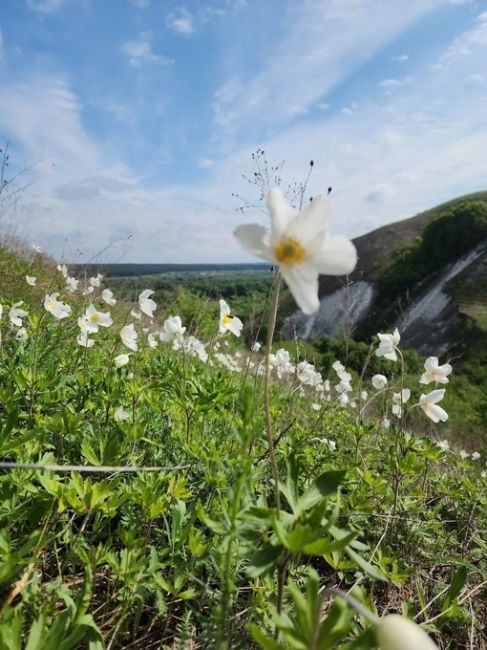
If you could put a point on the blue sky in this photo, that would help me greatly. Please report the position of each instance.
(141, 115)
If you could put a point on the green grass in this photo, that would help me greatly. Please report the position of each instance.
(190, 557)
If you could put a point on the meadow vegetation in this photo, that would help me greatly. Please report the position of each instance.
(154, 520)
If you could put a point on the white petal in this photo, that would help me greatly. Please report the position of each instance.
(252, 237)
(337, 256)
(224, 308)
(281, 212)
(435, 395)
(436, 413)
(431, 363)
(302, 281)
(311, 220)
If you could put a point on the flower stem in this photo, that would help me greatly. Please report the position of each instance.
(268, 419)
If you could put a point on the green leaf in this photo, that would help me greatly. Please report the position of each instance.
(326, 484)
(323, 546)
(264, 641)
(263, 560)
(458, 582)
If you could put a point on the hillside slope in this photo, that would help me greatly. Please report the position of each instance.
(420, 274)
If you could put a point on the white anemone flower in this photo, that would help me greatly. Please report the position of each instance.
(146, 305)
(338, 366)
(281, 361)
(36, 248)
(129, 337)
(31, 279)
(16, 315)
(63, 269)
(21, 335)
(443, 445)
(475, 455)
(87, 291)
(379, 382)
(56, 307)
(464, 454)
(96, 319)
(172, 329)
(107, 296)
(435, 372)
(121, 360)
(120, 414)
(300, 245)
(429, 404)
(151, 340)
(72, 284)
(387, 345)
(229, 323)
(256, 346)
(395, 632)
(398, 400)
(83, 339)
(192, 346)
(96, 281)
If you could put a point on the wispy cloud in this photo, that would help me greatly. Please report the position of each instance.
(2, 46)
(141, 4)
(45, 6)
(140, 52)
(464, 44)
(400, 58)
(181, 21)
(303, 67)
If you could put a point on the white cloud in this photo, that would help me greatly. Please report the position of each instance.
(466, 43)
(322, 43)
(45, 6)
(181, 22)
(140, 52)
(206, 163)
(401, 58)
(141, 4)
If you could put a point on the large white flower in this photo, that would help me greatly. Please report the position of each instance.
(395, 632)
(300, 245)
(16, 315)
(388, 344)
(129, 337)
(55, 307)
(434, 372)
(121, 360)
(146, 305)
(107, 296)
(429, 404)
(172, 329)
(379, 382)
(229, 323)
(96, 319)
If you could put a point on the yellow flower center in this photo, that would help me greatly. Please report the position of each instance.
(227, 320)
(94, 318)
(289, 251)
